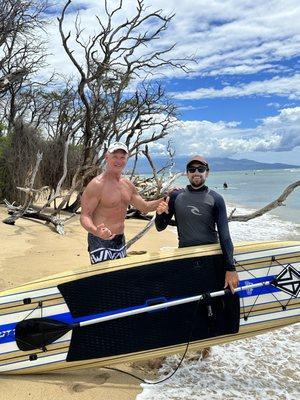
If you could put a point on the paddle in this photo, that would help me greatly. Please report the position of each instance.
(37, 333)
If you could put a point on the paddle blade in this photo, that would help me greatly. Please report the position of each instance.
(37, 333)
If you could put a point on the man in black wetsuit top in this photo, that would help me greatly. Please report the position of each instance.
(201, 218)
(200, 215)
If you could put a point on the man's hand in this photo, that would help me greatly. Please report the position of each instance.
(231, 280)
(104, 233)
(163, 206)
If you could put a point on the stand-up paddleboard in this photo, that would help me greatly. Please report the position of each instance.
(146, 306)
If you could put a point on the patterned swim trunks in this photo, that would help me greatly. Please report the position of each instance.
(102, 250)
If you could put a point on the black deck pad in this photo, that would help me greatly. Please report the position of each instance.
(134, 287)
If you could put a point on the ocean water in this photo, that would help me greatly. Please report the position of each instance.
(265, 367)
(255, 189)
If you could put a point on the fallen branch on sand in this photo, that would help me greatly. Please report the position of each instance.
(58, 223)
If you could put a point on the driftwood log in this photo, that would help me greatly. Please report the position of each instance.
(271, 206)
(32, 214)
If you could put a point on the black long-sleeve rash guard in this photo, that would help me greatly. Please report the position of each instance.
(198, 212)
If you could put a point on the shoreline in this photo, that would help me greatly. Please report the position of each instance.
(285, 229)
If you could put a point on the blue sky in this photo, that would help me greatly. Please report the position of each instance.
(242, 98)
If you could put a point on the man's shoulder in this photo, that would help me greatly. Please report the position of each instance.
(214, 193)
(98, 180)
(128, 183)
(126, 180)
(173, 195)
(95, 184)
(218, 198)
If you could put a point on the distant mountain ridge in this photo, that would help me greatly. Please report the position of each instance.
(215, 163)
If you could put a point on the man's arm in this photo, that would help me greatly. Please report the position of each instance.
(223, 231)
(142, 205)
(231, 277)
(164, 213)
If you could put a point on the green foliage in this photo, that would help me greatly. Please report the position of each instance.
(2, 128)
(18, 153)
(18, 159)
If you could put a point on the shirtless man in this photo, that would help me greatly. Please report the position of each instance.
(104, 204)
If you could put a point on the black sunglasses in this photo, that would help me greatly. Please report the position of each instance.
(200, 169)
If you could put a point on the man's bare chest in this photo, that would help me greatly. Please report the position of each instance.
(115, 196)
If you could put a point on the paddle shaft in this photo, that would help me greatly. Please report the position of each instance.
(172, 303)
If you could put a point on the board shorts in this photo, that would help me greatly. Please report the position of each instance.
(101, 250)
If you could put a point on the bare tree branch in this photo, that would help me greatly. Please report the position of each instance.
(112, 61)
(271, 206)
(10, 78)
(141, 233)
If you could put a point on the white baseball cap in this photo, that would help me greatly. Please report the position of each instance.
(118, 146)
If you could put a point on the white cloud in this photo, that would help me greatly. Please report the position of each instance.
(279, 86)
(228, 37)
(276, 134)
(191, 108)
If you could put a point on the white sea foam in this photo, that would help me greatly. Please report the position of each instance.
(266, 227)
(264, 367)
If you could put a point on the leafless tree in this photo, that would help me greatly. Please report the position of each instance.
(102, 108)
(113, 61)
(22, 52)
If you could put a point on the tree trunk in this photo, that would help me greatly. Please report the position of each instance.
(74, 207)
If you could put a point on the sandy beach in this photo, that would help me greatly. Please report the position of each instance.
(31, 250)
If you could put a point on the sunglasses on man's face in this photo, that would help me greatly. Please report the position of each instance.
(200, 169)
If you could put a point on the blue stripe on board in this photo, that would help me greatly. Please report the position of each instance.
(61, 361)
(7, 332)
(260, 290)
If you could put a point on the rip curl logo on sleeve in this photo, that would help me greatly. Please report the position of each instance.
(194, 210)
